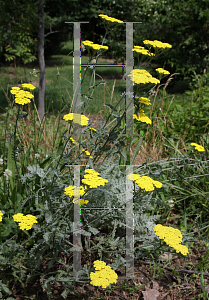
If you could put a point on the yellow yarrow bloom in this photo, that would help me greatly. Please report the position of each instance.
(162, 71)
(140, 76)
(1, 214)
(157, 44)
(143, 100)
(181, 248)
(172, 237)
(25, 222)
(103, 275)
(92, 179)
(110, 19)
(145, 182)
(77, 118)
(28, 86)
(21, 97)
(142, 117)
(88, 44)
(198, 147)
(70, 191)
(142, 50)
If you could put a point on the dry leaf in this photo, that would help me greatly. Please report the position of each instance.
(151, 294)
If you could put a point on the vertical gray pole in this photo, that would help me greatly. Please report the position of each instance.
(77, 76)
(129, 225)
(76, 132)
(129, 83)
(129, 169)
(76, 229)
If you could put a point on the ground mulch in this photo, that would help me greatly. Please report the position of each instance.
(161, 284)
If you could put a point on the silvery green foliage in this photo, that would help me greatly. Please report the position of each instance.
(34, 170)
(54, 229)
(113, 194)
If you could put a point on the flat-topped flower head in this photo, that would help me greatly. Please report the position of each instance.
(90, 45)
(113, 20)
(157, 44)
(71, 191)
(141, 76)
(77, 118)
(143, 100)
(142, 50)
(142, 117)
(22, 97)
(162, 71)
(25, 222)
(28, 86)
(145, 182)
(87, 42)
(198, 147)
(103, 275)
(92, 179)
(172, 237)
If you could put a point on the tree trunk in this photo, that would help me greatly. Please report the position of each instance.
(41, 60)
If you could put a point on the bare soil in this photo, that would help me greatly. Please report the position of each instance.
(150, 283)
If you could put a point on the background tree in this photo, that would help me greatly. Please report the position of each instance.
(18, 40)
(182, 23)
(41, 60)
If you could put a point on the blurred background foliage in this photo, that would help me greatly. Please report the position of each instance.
(182, 23)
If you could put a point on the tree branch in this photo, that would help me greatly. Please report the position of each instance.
(51, 32)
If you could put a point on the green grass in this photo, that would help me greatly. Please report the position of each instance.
(59, 88)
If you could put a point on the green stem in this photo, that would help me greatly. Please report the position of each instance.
(61, 155)
(95, 63)
(14, 148)
(112, 129)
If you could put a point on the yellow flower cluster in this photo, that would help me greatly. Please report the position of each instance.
(87, 153)
(145, 182)
(143, 100)
(25, 222)
(28, 86)
(21, 96)
(103, 275)
(1, 214)
(92, 179)
(157, 44)
(172, 237)
(110, 19)
(77, 118)
(198, 147)
(142, 117)
(70, 192)
(142, 50)
(162, 71)
(89, 44)
(141, 76)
